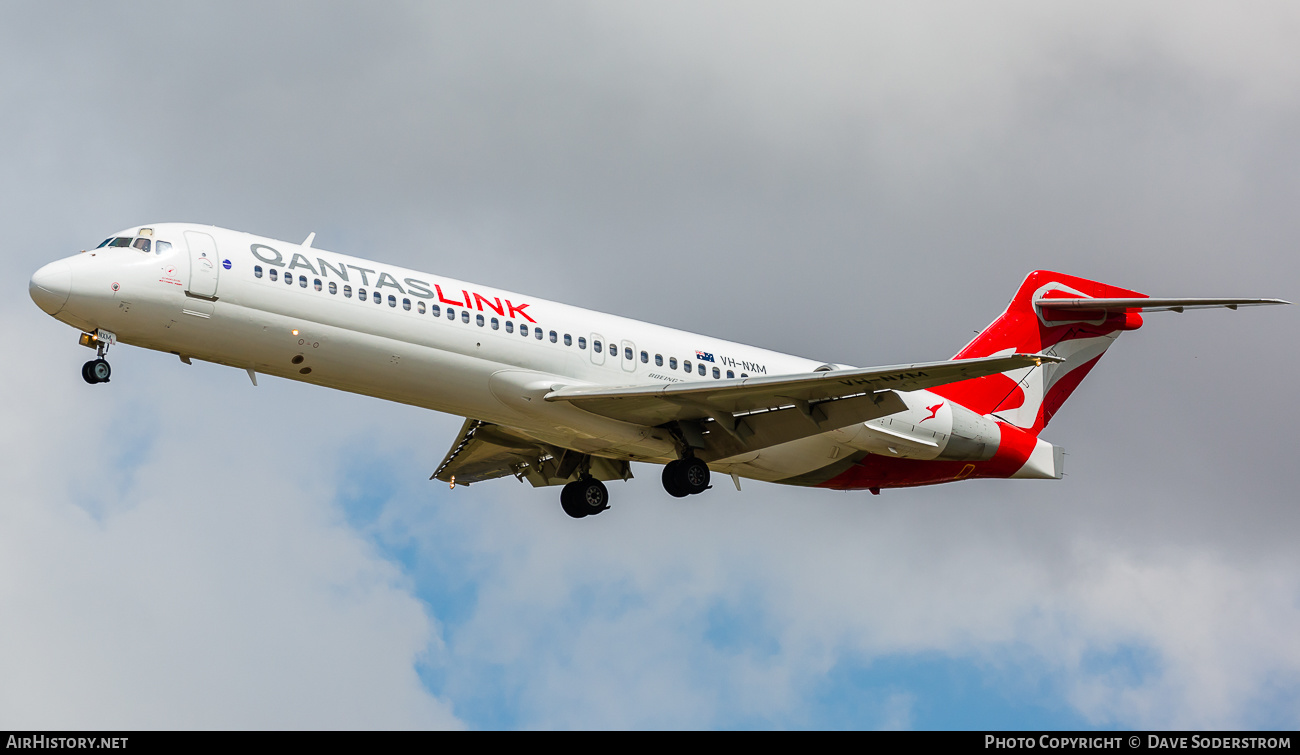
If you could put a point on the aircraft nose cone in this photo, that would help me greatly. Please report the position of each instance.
(51, 285)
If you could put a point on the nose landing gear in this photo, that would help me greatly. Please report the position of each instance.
(97, 370)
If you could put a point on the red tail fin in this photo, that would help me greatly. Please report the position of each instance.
(1028, 398)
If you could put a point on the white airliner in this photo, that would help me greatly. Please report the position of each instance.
(559, 395)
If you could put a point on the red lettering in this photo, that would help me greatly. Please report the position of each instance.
(520, 311)
(445, 300)
(481, 300)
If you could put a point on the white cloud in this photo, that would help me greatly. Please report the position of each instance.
(211, 585)
(169, 562)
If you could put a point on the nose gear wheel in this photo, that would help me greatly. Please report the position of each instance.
(96, 371)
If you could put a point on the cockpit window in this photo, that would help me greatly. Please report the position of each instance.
(121, 241)
(162, 247)
(143, 245)
(104, 243)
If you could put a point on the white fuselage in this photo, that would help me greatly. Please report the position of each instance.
(435, 342)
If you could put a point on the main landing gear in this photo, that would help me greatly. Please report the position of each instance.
(96, 370)
(588, 496)
(584, 497)
(684, 477)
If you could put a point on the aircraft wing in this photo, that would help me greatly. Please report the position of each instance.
(484, 451)
(722, 399)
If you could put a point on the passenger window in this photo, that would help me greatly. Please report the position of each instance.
(272, 273)
(537, 333)
(523, 330)
(744, 374)
(686, 365)
(716, 373)
(347, 292)
(302, 281)
(645, 358)
(317, 284)
(361, 294)
(672, 363)
(700, 368)
(419, 307)
(659, 360)
(436, 310)
(392, 301)
(568, 340)
(627, 352)
(162, 247)
(142, 245)
(288, 279)
(595, 345)
(334, 288)
(479, 319)
(257, 271)
(613, 350)
(406, 304)
(496, 324)
(510, 326)
(554, 338)
(730, 374)
(464, 316)
(451, 313)
(582, 343)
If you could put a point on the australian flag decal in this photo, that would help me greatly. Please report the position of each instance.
(704, 356)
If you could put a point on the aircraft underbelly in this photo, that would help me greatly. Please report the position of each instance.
(394, 370)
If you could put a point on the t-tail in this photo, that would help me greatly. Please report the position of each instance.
(1065, 316)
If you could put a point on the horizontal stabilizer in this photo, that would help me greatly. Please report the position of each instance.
(1147, 304)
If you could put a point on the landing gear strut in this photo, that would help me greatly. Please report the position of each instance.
(96, 370)
(684, 477)
(585, 497)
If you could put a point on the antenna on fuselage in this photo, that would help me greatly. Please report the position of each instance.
(310, 238)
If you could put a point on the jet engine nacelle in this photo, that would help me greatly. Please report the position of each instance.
(931, 428)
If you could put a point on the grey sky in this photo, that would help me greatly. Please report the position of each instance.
(865, 184)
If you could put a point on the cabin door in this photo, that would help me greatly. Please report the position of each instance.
(205, 267)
